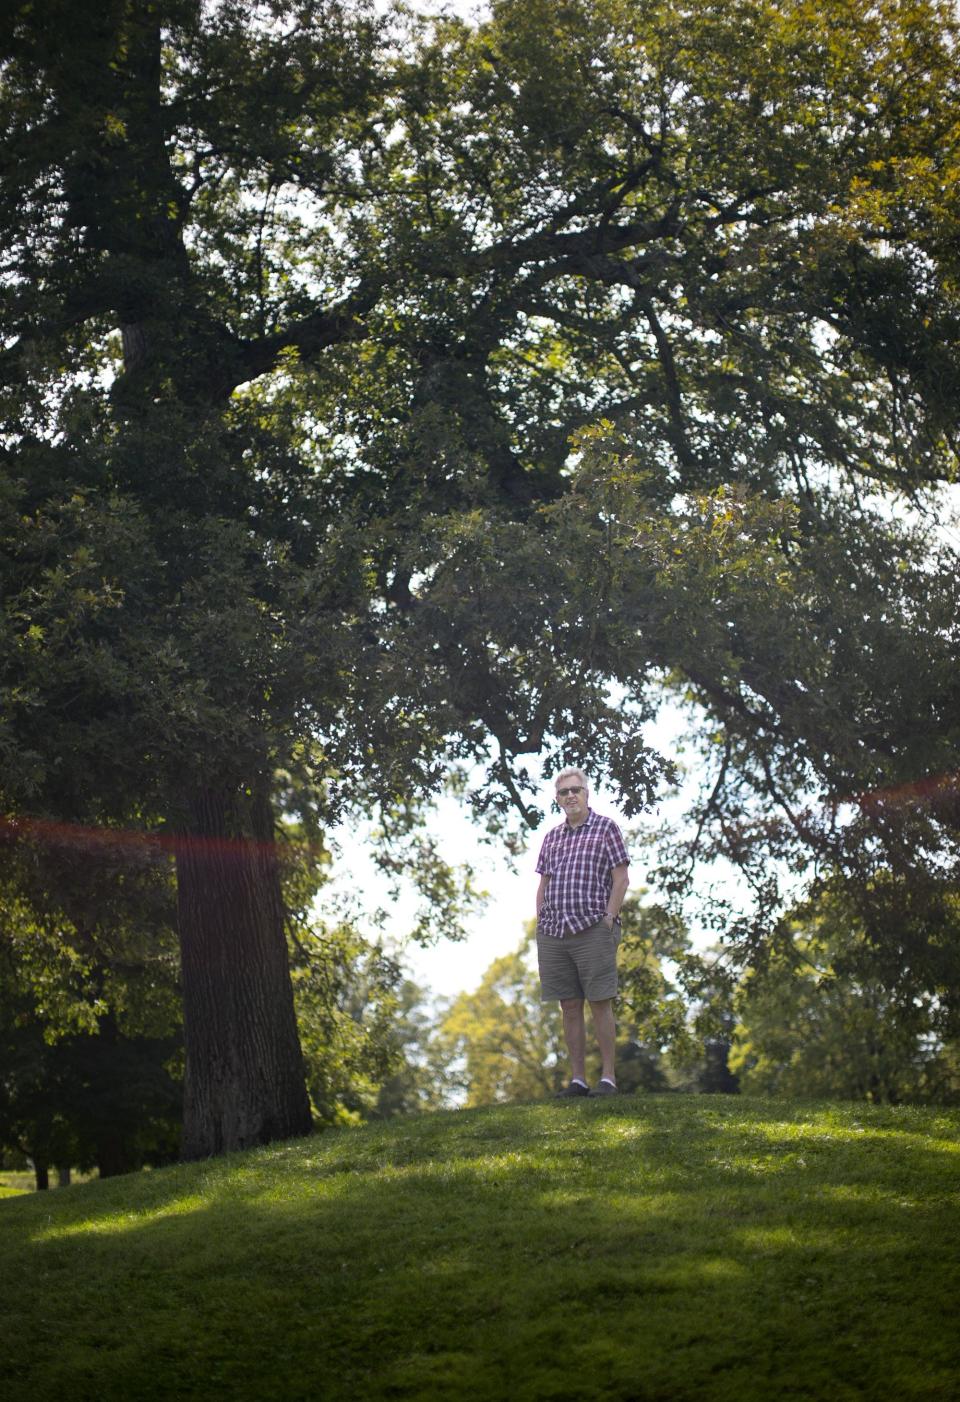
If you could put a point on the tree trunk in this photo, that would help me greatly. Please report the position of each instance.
(41, 1172)
(63, 1178)
(113, 1155)
(244, 1081)
(114, 1137)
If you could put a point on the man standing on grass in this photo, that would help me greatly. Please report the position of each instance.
(583, 880)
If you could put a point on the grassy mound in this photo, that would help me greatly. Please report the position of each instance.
(650, 1248)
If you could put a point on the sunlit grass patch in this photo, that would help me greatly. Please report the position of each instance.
(104, 1224)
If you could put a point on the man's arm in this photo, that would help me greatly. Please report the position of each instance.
(620, 880)
(541, 892)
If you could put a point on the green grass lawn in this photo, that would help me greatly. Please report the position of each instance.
(655, 1247)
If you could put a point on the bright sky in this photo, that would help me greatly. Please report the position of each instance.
(497, 927)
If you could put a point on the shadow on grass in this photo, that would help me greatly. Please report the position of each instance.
(655, 1248)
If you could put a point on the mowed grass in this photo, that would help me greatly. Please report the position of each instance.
(667, 1247)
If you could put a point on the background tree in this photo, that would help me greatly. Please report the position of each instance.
(365, 1031)
(90, 1044)
(421, 1075)
(509, 1045)
(368, 1032)
(654, 1036)
(814, 1020)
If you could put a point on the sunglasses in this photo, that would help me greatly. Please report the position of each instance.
(574, 788)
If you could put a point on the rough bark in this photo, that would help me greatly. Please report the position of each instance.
(244, 1080)
(114, 1156)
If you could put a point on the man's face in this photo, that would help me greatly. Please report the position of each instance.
(572, 797)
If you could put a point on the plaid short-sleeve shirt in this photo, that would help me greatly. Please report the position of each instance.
(579, 862)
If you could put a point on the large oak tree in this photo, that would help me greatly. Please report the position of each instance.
(301, 311)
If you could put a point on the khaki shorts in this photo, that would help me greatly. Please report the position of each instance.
(579, 966)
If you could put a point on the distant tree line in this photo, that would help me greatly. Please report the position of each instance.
(93, 1058)
(805, 1025)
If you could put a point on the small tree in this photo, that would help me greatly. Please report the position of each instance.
(508, 1044)
(826, 1015)
(86, 1079)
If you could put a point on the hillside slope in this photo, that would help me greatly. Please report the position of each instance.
(664, 1247)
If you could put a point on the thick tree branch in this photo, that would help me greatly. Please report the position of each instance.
(313, 333)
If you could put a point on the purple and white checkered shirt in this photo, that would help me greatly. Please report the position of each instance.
(579, 862)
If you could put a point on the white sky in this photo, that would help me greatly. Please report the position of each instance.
(497, 927)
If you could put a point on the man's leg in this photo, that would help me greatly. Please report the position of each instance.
(606, 1032)
(575, 1035)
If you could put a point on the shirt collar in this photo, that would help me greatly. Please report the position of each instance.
(580, 826)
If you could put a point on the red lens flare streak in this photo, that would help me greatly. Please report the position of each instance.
(114, 842)
(913, 794)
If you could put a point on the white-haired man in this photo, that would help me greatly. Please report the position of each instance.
(583, 880)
